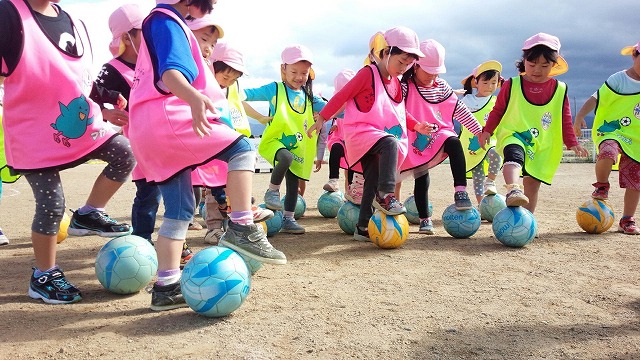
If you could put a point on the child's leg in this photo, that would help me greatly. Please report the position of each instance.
(494, 167)
(629, 179)
(608, 151)
(513, 162)
(284, 158)
(370, 174)
(458, 165)
(398, 190)
(144, 209)
(531, 189)
(477, 174)
(214, 216)
(289, 223)
(335, 155)
(386, 150)
(421, 196)
(302, 187)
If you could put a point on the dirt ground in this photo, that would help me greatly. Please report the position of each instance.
(567, 295)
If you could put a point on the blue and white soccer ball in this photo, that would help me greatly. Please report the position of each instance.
(329, 203)
(460, 224)
(515, 226)
(126, 264)
(490, 205)
(301, 206)
(348, 217)
(412, 210)
(215, 282)
(273, 225)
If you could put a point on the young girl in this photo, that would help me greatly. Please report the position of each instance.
(532, 119)
(431, 99)
(485, 78)
(67, 127)
(375, 123)
(5, 173)
(174, 128)
(285, 143)
(616, 131)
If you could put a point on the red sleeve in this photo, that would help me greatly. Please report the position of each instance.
(411, 121)
(568, 136)
(495, 116)
(361, 84)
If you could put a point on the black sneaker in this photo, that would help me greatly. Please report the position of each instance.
(361, 235)
(167, 297)
(96, 222)
(53, 288)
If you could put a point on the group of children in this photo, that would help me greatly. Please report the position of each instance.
(175, 94)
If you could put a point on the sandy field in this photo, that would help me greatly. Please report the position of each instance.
(567, 295)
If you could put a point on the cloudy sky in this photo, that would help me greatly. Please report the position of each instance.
(338, 31)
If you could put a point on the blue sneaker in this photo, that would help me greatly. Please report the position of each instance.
(291, 226)
(53, 288)
(361, 235)
(426, 227)
(462, 201)
(272, 200)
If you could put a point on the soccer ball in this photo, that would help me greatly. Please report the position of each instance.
(490, 205)
(348, 217)
(215, 282)
(273, 225)
(514, 226)
(460, 224)
(329, 203)
(301, 206)
(412, 211)
(388, 231)
(595, 216)
(64, 226)
(252, 264)
(126, 264)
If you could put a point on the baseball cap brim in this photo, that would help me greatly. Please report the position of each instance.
(559, 68)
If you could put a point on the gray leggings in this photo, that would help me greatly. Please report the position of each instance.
(478, 172)
(379, 170)
(284, 158)
(47, 187)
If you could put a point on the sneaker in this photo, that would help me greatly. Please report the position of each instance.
(354, 195)
(186, 255)
(361, 235)
(515, 196)
(291, 226)
(389, 205)
(4, 240)
(224, 210)
(628, 226)
(490, 187)
(195, 226)
(96, 222)
(260, 214)
(213, 236)
(426, 227)
(53, 288)
(167, 297)
(272, 200)
(462, 200)
(601, 192)
(331, 185)
(251, 241)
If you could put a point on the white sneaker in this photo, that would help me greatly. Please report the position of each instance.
(4, 240)
(490, 187)
(331, 185)
(356, 188)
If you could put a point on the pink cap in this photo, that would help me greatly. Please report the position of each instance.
(628, 50)
(228, 55)
(167, 1)
(295, 53)
(550, 41)
(121, 21)
(342, 79)
(433, 60)
(203, 22)
(404, 39)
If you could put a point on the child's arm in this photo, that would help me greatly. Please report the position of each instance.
(199, 103)
(495, 116)
(586, 109)
(463, 115)
(262, 119)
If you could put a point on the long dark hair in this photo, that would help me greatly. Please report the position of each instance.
(534, 53)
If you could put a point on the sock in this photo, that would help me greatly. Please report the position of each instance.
(37, 272)
(87, 209)
(242, 217)
(274, 187)
(460, 188)
(166, 277)
(288, 214)
(625, 217)
(425, 219)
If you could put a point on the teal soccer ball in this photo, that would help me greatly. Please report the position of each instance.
(126, 264)
(461, 224)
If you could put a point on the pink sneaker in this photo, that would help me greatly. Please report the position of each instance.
(601, 192)
(354, 195)
(628, 226)
(260, 214)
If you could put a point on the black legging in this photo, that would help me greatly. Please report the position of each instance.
(335, 154)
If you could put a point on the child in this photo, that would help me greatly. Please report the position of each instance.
(485, 78)
(615, 130)
(531, 120)
(228, 67)
(66, 125)
(431, 99)
(174, 127)
(375, 123)
(5, 173)
(285, 143)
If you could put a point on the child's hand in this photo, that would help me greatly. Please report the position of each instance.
(460, 92)
(424, 128)
(578, 125)
(333, 128)
(483, 139)
(122, 102)
(202, 108)
(117, 117)
(264, 120)
(318, 164)
(580, 151)
(317, 126)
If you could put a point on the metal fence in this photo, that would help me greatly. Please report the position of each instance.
(568, 156)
